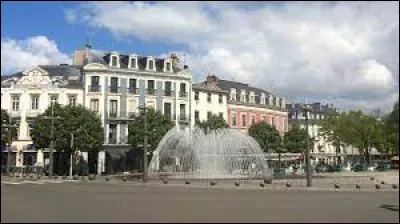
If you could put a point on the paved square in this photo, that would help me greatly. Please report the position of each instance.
(106, 202)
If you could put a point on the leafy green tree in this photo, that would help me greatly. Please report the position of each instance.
(387, 139)
(333, 129)
(361, 132)
(267, 136)
(295, 140)
(6, 130)
(84, 124)
(158, 125)
(212, 123)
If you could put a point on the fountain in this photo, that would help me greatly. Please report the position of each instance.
(219, 154)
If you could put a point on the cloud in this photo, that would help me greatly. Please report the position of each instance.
(17, 55)
(325, 50)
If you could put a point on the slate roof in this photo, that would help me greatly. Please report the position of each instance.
(316, 108)
(65, 71)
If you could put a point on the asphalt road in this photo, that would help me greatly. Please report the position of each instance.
(86, 202)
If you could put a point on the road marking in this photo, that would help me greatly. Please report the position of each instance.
(36, 182)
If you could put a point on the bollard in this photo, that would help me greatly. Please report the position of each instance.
(358, 186)
(212, 183)
(262, 185)
(75, 177)
(372, 178)
(237, 184)
(187, 182)
(268, 181)
(91, 177)
(55, 177)
(377, 186)
(107, 178)
(165, 181)
(64, 177)
(288, 184)
(382, 182)
(124, 178)
(394, 186)
(337, 186)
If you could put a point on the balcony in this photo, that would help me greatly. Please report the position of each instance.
(133, 91)
(150, 91)
(15, 114)
(183, 94)
(94, 89)
(168, 92)
(112, 114)
(114, 89)
(33, 113)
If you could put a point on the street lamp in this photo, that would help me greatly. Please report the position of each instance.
(307, 152)
(145, 165)
(9, 126)
(52, 118)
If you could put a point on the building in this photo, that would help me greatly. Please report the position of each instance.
(248, 105)
(118, 85)
(27, 94)
(209, 99)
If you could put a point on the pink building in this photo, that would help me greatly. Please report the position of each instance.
(248, 105)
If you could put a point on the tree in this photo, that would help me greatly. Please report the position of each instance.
(333, 129)
(361, 132)
(5, 121)
(267, 136)
(387, 139)
(295, 140)
(158, 125)
(212, 123)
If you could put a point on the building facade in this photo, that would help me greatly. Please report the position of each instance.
(208, 99)
(118, 85)
(27, 94)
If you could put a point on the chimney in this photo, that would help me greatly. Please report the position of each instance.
(186, 67)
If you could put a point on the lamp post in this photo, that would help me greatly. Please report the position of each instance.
(145, 165)
(9, 126)
(308, 160)
(52, 118)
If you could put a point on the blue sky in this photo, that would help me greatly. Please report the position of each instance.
(342, 53)
(53, 25)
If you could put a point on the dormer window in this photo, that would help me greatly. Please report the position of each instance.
(262, 98)
(114, 61)
(277, 101)
(150, 64)
(133, 62)
(243, 96)
(233, 95)
(168, 66)
(270, 99)
(252, 97)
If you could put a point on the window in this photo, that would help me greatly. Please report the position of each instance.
(150, 87)
(133, 62)
(114, 85)
(253, 119)
(262, 98)
(95, 84)
(94, 105)
(167, 109)
(35, 102)
(151, 64)
(182, 111)
(196, 95)
(113, 108)
(233, 119)
(244, 121)
(263, 118)
(209, 114)
(209, 97)
(182, 92)
(168, 67)
(29, 130)
(221, 114)
(132, 86)
(272, 120)
(72, 100)
(242, 96)
(196, 115)
(53, 99)
(114, 61)
(168, 88)
(15, 103)
(233, 94)
(220, 98)
(252, 98)
(112, 134)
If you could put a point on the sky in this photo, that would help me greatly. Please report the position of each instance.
(344, 53)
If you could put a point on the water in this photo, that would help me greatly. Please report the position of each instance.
(221, 154)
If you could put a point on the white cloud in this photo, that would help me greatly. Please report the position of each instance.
(17, 55)
(324, 49)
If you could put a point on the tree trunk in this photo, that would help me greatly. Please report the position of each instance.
(279, 160)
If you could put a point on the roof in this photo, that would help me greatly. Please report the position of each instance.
(315, 107)
(64, 71)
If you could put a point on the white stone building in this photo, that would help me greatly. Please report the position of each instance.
(208, 99)
(27, 94)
